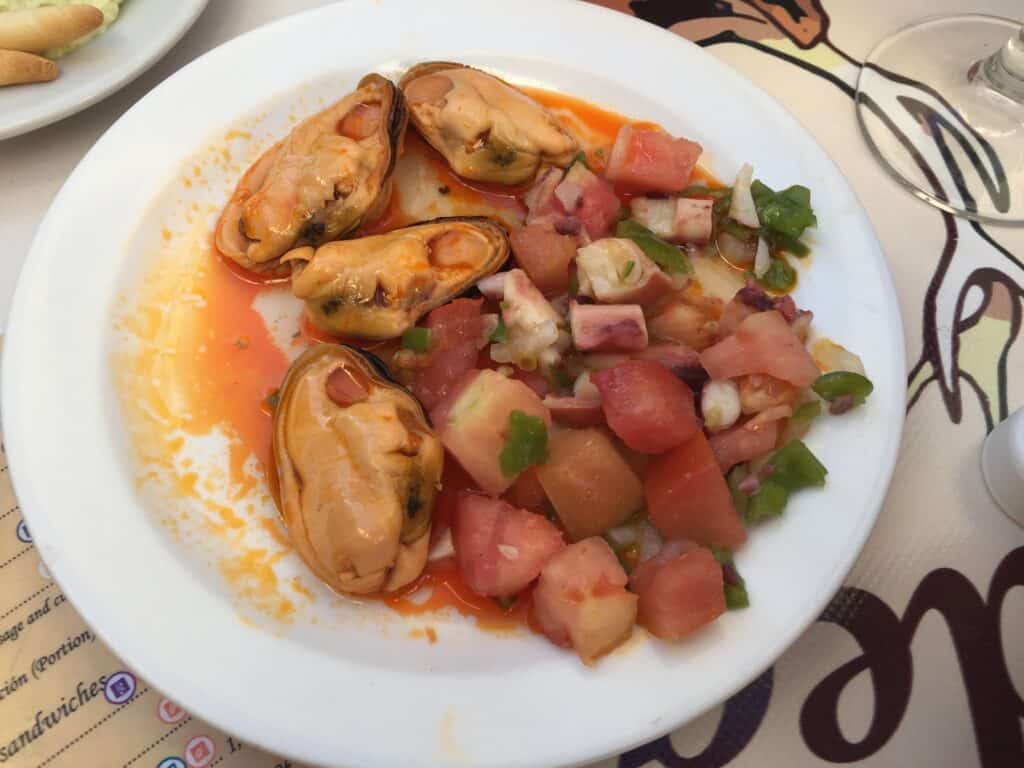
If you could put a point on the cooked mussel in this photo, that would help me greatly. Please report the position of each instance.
(377, 287)
(328, 176)
(486, 129)
(358, 468)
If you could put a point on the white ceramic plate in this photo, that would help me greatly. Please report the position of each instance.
(357, 695)
(144, 31)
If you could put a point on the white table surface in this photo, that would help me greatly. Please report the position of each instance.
(34, 166)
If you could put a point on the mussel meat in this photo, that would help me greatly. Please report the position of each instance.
(377, 287)
(486, 129)
(328, 176)
(358, 467)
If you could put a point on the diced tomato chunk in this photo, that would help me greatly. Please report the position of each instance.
(534, 380)
(759, 392)
(545, 256)
(679, 359)
(455, 329)
(574, 411)
(743, 443)
(501, 549)
(753, 298)
(650, 160)
(687, 497)
(734, 313)
(681, 589)
(645, 405)
(763, 343)
(472, 422)
(527, 492)
(684, 323)
(597, 206)
(580, 599)
(589, 483)
(454, 483)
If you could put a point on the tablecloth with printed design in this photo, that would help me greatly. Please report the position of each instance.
(918, 660)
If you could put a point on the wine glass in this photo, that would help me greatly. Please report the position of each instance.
(941, 103)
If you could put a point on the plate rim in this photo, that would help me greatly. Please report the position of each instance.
(866, 523)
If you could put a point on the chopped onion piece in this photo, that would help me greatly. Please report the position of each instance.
(717, 279)
(493, 286)
(444, 547)
(832, 357)
(569, 194)
(649, 542)
(775, 413)
(560, 304)
(622, 535)
(421, 595)
(742, 207)
(488, 325)
(802, 326)
(739, 253)
(584, 389)
(720, 404)
(751, 484)
(763, 259)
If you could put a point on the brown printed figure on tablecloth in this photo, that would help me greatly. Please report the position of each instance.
(975, 276)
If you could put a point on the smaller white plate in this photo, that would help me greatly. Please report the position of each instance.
(144, 31)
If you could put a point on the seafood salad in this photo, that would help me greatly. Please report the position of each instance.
(572, 414)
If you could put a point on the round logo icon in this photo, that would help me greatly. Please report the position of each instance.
(169, 712)
(22, 533)
(199, 752)
(171, 762)
(120, 687)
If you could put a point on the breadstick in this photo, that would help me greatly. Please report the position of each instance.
(39, 29)
(18, 67)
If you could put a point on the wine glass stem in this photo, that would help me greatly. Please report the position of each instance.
(1003, 71)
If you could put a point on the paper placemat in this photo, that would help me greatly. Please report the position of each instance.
(919, 660)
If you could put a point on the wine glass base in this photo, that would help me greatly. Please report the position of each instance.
(938, 126)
